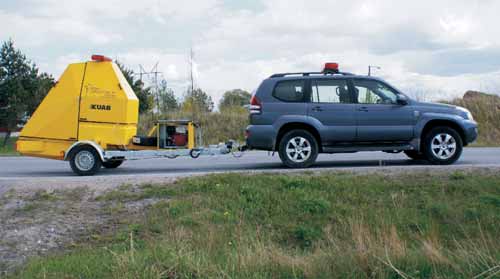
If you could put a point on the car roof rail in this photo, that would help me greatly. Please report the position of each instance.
(306, 74)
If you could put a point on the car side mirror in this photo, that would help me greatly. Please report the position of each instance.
(401, 100)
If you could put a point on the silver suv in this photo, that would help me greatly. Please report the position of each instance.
(303, 114)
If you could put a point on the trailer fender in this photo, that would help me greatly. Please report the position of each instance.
(96, 146)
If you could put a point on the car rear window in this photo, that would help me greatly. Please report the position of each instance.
(290, 91)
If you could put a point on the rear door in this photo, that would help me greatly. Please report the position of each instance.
(378, 116)
(288, 100)
(331, 104)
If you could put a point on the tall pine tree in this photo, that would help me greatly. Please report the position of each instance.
(22, 88)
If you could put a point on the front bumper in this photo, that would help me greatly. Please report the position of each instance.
(471, 131)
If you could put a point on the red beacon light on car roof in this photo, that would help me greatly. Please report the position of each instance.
(101, 58)
(331, 68)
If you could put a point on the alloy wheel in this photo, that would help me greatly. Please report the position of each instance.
(298, 149)
(443, 146)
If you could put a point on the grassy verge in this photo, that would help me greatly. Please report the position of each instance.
(8, 149)
(302, 226)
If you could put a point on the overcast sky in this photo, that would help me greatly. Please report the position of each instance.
(430, 49)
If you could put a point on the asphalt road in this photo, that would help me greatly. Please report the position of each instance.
(24, 167)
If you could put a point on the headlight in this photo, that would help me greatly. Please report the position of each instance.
(467, 112)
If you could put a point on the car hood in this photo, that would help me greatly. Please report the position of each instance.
(435, 105)
(439, 108)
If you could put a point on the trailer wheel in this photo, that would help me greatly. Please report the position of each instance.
(112, 164)
(84, 160)
(194, 153)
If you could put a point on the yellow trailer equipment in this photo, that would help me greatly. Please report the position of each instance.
(89, 118)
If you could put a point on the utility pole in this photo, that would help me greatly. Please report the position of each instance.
(370, 67)
(154, 73)
(191, 77)
(141, 72)
(191, 59)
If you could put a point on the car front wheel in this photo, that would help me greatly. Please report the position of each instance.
(442, 146)
(298, 149)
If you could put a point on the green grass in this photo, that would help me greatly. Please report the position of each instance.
(299, 226)
(8, 149)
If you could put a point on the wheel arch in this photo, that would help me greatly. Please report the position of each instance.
(446, 123)
(94, 145)
(297, 126)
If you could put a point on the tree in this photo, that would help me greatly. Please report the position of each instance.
(40, 87)
(168, 102)
(143, 93)
(234, 98)
(197, 102)
(22, 87)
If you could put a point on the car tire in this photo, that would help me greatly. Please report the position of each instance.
(85, 160)
(112, 164)
(442, 146)
(414, 155)
(298, 149)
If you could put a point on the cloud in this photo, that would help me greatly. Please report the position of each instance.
(451, 62)
(442, 51)
(97, 22)
(36, 32)
(439, 47)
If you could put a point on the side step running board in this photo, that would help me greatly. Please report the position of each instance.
(340, 149)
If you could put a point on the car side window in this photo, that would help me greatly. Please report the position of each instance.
(290, 91)
(373, 92)
(333, 91)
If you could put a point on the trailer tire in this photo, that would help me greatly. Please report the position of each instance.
(84, 160)
(194, 153)
(112, 164)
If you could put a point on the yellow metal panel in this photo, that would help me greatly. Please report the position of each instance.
(52, 149)
(124, 83)
(109, 109)
(56, 117)
(191, 136)
(106, 134)
(106, 96)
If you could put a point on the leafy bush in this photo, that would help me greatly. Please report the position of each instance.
(486, 111)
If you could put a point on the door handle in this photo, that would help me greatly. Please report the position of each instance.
(363, 109)
(317, 108)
